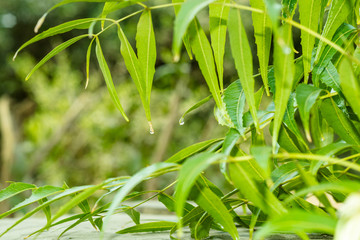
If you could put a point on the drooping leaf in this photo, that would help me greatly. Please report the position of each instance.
(339, 11)
(204, 56)
(54, 52)
(339, 122)
(263, 37)
(202, 227)
(242, 55)
(350, 85)
(309, 17)
(185, 16)
(13, 189)
(213, 205)
(218, 15)
(188, 174)
(229, 142)
(62, 28)
(108, 79)
(148, 227)
(284, 76)
(297, 221)
(88, 54)
(110, 7)
(188, 151)
(134, 215)
(146, 50)
(289, 141)
(193, 107)
(306, 96)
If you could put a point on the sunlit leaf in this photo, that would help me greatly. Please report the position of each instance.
(148, 227)
(13, 189)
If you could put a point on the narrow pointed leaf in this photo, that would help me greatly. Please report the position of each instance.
(242, 55)
(14, 189)
(204, 56)
(108, 79)
(284, 76)
(193, 107)
(146, 50)
(350, 85)
(88, 54)
(288, 8)
(188, 174)
(54, 52)
(202, 227)
(213, 205)
(134, 215)
(263, 36)
(188, 151)
(218, 14)
(185, 16)
(149, 227)
(339, 11)
(330, 77)
(309, 18)
(306, 97)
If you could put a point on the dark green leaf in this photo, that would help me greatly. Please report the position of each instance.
(148, 227)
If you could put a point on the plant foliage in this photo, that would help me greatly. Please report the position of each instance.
(311, 112)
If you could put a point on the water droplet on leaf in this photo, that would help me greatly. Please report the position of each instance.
(181, 121)
(151, 128)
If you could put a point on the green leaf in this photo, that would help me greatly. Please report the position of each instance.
(249, 178)
(288, 8)
(13, 189)
(170, 203)
(130, 184)
(309, 17)
(330, 77)
(54, 52)
(339, 122)
(133, 66)
(283, 173)
(188, 151)
(133, 214)
(242, 55)
(230, 140)
(262, 155)
(290, 142)
(62, 28)
(186, 14)
(298, 221)
(110, 7)
(263, 38)
(108, 79)
(306, 97)
(218, 15)
(350, 85)
(213, 205)
(234, 99)
(204, 56)
(284, 76)
(149, 227)
(202, 227)
(88, 54)
(146, 51)
(338, 13)
(188, 174)
(193, 107)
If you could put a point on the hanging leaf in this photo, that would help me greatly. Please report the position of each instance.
(218, 15)
(193, 107)
(108, 79)
(309, 17)
(284, 76)
(242, 55)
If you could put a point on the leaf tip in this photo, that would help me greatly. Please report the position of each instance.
(87, 83)
(176, 58)
(151, 128)
(40, 23)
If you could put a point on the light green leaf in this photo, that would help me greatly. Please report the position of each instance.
(350, 85)
(288, 8)
(298, 221)
(188, 174)
(62, 28)
(185, 16)
(188, 151)
(88, 54)
(54, 52)
(13, 189)
(339, 122)
(146, 51)
(108, 79)
(330, 77)
(130, 184)
(338, 13)
(263, 37)
(213, 205)
(262, 155)
(193, 107)
(230, 140)
(306, 97)
(242, 55)
(218, 15)
(284, 76)
(110, 7)
(249, 178)
(234, 99)
(309, 18)
(204, 56)
(149, 227)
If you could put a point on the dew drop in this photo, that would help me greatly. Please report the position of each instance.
(181, 121)
(286, 50)
(151, 128)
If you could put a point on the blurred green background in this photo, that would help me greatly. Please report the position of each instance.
(55, 131)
